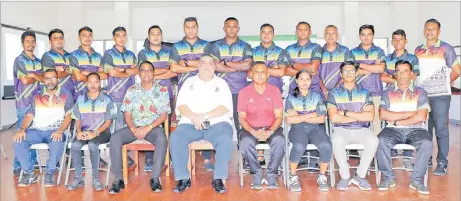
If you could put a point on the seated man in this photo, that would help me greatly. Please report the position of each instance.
(350, 109)
(93, 114)
(404, 107)
(205, 105)
(146, 107)
(49, 114)
(260, 109)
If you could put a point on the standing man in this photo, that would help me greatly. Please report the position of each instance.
(305, 54)
(145, 107)
(85, 60)
(233, 58)
(272, 56)
(161, 58)
(371, 60)
(185, 58)
(438, 67)
(260, 110)
(120, 64)
(27, 77)
(333, 55)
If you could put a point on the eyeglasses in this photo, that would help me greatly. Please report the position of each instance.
(50, 79)
(345, 72)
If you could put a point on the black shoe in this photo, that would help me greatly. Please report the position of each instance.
(155, 185)
(182, 185)
(218, 186)
(117, 186)
(17, 172)
(262, 163)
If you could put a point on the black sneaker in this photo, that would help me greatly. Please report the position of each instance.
(441, 169)
(49, 179)
(117, 186)
(28, 179)
(17, 172)
(155, 185)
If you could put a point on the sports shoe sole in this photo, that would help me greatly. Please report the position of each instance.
(420, 192)
(358, 185)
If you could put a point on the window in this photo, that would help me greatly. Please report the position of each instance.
(383, 44)
(101, 46)
(12, 48)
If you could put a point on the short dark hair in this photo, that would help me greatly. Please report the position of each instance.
(348, 63)
(51, 70)
(400, 62)
(303, 22)
(154, 27)
(399, 32)
(257, 63)
(94, 74)
(53, 31)
(231, 18)
(433, 21)
(190, 19)
(118, 29)
(85, 28)
(27, 33)
(367, 26)
(267, 25)
(146, 62)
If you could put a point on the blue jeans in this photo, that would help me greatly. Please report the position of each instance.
(34, 137)
(438, 119)
(21, 113)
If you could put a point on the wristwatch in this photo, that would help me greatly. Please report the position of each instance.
(345, 112)
(395, 122)
(185, 63)
(225, 62)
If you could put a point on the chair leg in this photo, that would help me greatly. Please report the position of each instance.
(61, 164)
(189, 164)
(167, 163)
(69, 160)
(125, 164)
(241, 169)
(136, 160)
(193, 162)
(3, 152)
(39, 163)
(108, 173)
(377, 173)
(20, 176)
(331, 170)
(426, 177)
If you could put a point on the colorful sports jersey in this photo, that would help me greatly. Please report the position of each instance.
(312, 102)
(49, 111)
(24, 93)
(412, 99)
(93, 113)
(371, 82)
(435, 65)
(271, 56)
(161, 59)
(351, 100)
(391, 59)
(305, 54)
(331, 61)
(81, 60)
(51, 59)
(183, 50)
(113, 58)
(236, 52)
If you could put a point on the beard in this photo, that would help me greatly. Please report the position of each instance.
(51, 86)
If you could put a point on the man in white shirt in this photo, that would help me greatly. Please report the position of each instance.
(205, 105)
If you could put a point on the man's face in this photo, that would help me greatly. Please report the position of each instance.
(399, 42)
(51, 80)
(191, 30)
(206, 66)
(366, 37)
(155, 37)
(267, 35)
(57, 41)
(403, 74)
(29, 43)
(331, 35)
(146, 72)
(86, 38)
(303, 31)
(93, 84)
(431, 31)
(259, 74)
(349, 73)
(120, 38)
(231, 28)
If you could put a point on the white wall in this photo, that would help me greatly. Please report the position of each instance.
(137, 17)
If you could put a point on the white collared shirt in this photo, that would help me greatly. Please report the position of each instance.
(202, 97)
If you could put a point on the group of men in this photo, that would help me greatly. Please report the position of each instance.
(214, 95)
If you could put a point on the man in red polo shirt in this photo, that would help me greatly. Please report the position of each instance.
(260, 110)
